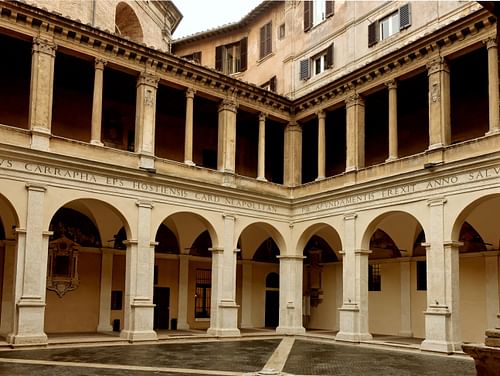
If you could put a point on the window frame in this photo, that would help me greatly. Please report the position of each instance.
(203, 285)
(374, 277)
(375, 31)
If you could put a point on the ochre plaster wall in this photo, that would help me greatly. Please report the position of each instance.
(324, 315)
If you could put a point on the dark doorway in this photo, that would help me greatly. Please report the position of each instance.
(272, 308)
(161, 297)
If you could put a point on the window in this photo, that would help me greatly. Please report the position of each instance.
(316, 12)
(281, 31)
(270, 85)
(266, 39)
(421, 276)
(317, 64)
(194, 57)
(202, 293)
(389, 25)
(374, 278)
(231, 58)
(116, 300)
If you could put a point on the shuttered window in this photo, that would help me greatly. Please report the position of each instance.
(308, 15)
(266, 40)
(304, 69)
(231, 58)
(389, 25)
(404, 16)
(330, 8)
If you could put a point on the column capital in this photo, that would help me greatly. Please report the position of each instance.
(392, 84)
(230, 217)
(228, 104)
(437, 64)
(440, 201)
(350, 217)
(144, 204)
(452, 244)
(190, 92)
(100, 63)
(293, 126)
(262, 116)
(216, 249)
(490, 42)
(321, 114)
(354, 100)
(35, 187)
(148, 79)
(44, 46)
(362, 252)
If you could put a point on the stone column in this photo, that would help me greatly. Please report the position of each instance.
(405, 286)
(226, 146)
(292, 169)
(8, 303)
(338, 294)
(104, 324)
(246, 294)
(261, 173)
(290, 320)
(321, 145)
(439, 103)
(224, 310)
(42, 87)
(182, 310)
(355, 133)
(442, 314)
(188, 138)
(491, 46)
(354, 310)
(393, 120)
(139, 279)
(31, 273)
(95, 135)
(145, 119)
(492, 289)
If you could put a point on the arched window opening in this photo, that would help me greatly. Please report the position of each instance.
(167, 242)
(382, 246)
(201, 245)
(267, 252)
(127, 24)
(75, 226)
(473, 242)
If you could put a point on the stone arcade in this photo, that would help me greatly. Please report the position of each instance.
(351, 186)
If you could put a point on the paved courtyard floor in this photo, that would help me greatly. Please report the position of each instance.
(264, 356)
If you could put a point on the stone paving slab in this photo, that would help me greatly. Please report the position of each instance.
(314, 358)
(241, 355)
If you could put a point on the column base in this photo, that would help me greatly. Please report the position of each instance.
(104, 328)
(437, 331)
(405, 333)
(136, 335)
(96, 143)
(16, 340)
(261, 178)
(189, 163)
(290, 330)
(223, 332)
(40, 139)
(147, 162)
(493, 132)
(319, 178)
(351, 325)
(183, 326)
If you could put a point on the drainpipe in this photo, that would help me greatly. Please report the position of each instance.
(93, 12)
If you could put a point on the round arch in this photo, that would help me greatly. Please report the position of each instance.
(402, 227)
(325, 231)
(127, 24)
(187, 227)
(9, 218)
(108, 219)
(261, 232)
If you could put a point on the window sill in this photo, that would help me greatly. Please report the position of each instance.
(206, 319)
(268, 56)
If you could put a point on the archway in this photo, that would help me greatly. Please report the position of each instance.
(397, 275)
(127, 24)
(476, 227)
(8, 242)
(86, 269)
(257, 276)
(183, 272)
(322, 277)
